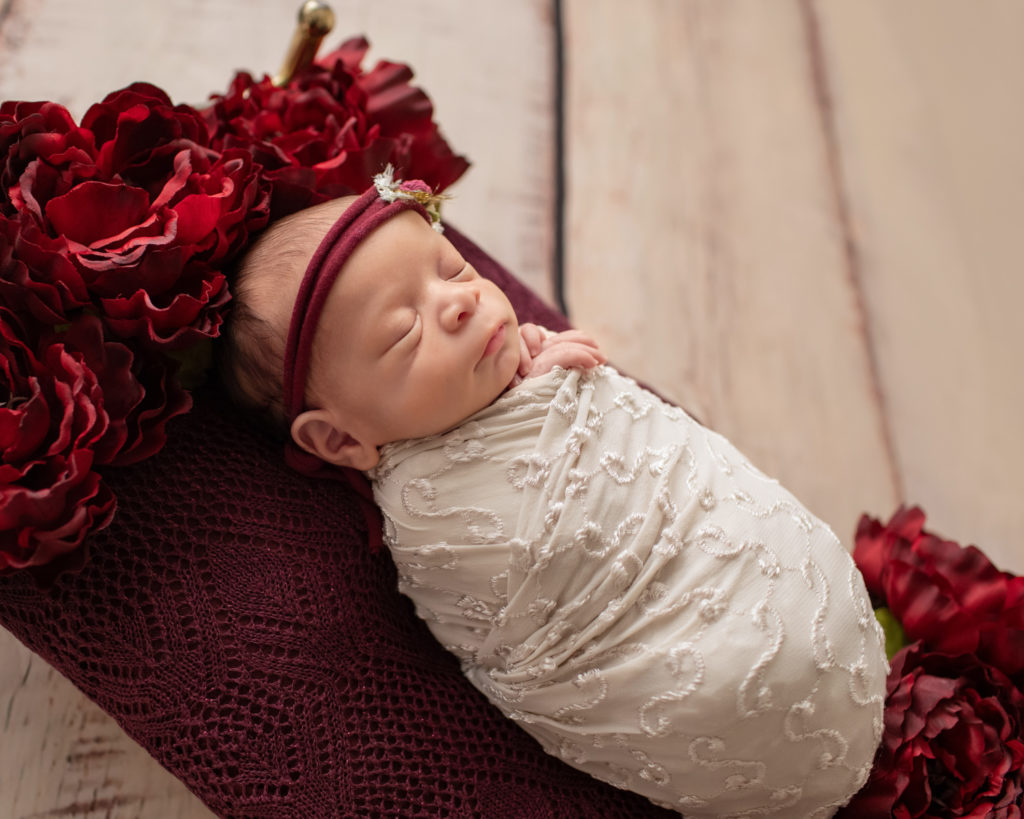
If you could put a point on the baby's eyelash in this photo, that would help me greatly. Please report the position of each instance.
(402, 332)
(462, 269)
(413, 327)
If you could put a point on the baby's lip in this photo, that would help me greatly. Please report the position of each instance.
(495, 342)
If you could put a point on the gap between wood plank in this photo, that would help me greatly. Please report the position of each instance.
(851, 253)
(558, 170)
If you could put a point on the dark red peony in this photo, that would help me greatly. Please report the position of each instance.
(952, 742)
(41, 139)
(52, 428)
(116, 237)
(140, 392)
(113, 234)
(131, 212)
(951, 597)
(333, 128)
(72, 401)
(49, 295)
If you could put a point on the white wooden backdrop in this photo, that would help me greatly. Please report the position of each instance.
(803, 220)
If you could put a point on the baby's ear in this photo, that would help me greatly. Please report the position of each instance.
(317, 432)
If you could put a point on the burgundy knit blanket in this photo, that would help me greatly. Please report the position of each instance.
(234, 622)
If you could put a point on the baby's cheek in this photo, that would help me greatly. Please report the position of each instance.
(515, 352)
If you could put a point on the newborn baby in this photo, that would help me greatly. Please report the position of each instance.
(613, 576)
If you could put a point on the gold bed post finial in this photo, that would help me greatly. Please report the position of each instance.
(315, 21)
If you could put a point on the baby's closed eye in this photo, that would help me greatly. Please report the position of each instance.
(458, 270)
(405, 329)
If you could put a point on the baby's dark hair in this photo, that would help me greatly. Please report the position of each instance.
(264, 283)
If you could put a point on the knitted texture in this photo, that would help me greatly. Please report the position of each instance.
(234, 622)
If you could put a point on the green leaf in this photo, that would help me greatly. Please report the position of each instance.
(895, 638)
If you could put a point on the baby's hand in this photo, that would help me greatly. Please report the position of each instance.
(540, 350)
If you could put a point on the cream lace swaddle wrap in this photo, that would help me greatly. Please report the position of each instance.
(643, 601)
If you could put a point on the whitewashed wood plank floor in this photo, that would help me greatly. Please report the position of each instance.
(803, 220)
(800, 219)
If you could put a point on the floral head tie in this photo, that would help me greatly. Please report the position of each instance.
(379, 203)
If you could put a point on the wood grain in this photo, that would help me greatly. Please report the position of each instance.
(929, 105)
(63, 757)
(706, 242)
(802, 219)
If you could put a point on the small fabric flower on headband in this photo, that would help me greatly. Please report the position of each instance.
(389, 189)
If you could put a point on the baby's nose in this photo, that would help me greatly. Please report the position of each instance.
(459, 307)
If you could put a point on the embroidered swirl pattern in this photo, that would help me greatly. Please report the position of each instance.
(642, 600)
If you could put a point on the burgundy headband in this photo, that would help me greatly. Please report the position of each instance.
(379, 203)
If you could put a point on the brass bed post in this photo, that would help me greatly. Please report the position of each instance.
(316, 19)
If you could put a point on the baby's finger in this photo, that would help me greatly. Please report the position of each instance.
(532, 336)
(572, 336)
(568, 355)
(599, 356)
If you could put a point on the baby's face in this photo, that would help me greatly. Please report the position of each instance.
(412, 340)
